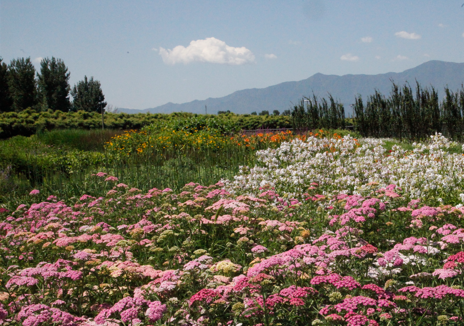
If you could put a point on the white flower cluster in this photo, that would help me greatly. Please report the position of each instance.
(437, 141)
(348, 166)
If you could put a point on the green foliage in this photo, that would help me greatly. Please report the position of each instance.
(412, 116)
(319, 113)
(50, 163)
(5, 98)
(220, 124)
(83, 140)
(22, 84)
(53, 83)
(33, 159)
(88, 96)
(30, 121)
(342, 133)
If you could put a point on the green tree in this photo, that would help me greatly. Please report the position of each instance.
(5, 98)
(22, 84)
(53, 82)
(88, 96)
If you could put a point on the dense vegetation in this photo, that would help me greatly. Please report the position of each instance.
(411, 115)
(404, 114)
(22, 88)
(30, 121)
(317, 231)
(172, 150)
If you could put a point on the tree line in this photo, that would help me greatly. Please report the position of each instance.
(411, 114)
(21, 87)
(316, 113)
(407, 113)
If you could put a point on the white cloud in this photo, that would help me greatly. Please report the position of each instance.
(366, 39)
(349, 57)
(37, 60)
(400, 58)
(209, 50)
(270, 56)
(409, 36)
(378, 57)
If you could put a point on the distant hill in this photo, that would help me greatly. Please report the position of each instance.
(344, 88)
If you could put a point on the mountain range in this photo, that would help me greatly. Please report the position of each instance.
(343, 88)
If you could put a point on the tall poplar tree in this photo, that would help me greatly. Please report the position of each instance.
(22, 84)
(53, 85)
(88, 96)
(5, 98)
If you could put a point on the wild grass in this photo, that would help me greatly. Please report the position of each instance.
(84, 140)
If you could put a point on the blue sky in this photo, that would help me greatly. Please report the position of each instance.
(147, 53)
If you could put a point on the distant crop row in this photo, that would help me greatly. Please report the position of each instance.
(29, 122)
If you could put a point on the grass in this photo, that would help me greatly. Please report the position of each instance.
(60, 163)
(84, 140)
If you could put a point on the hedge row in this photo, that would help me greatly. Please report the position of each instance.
(29, 121)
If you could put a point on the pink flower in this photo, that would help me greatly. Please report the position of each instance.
(296, 302)
(129, 314)
(398, 262)
(129, 308)
(334, 317)
(385, 316)
(458, 258)
(337, 281)
(3, 313)
(445, 273)
(82, 255)
(259, 249)
(297, 292)
(34, 192)
(377, 289)
(205, 295)
(155, 311)
(40, 314)
(369, 249)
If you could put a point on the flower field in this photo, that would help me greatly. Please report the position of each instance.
(204, 141)
(322, 231)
